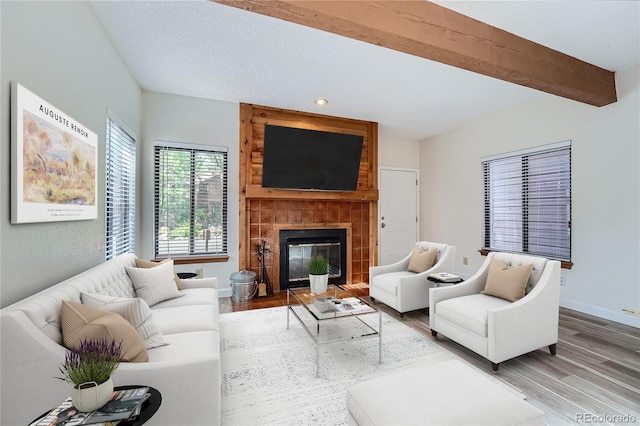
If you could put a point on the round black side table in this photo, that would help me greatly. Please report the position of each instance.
(149, 407)
(439, 281)
(186, 275)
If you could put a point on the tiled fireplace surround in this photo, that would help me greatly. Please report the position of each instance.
(264, 211)
(268, 217)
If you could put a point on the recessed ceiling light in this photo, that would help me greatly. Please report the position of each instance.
(321, 102)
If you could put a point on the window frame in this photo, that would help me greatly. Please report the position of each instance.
(192, 256)
(119, 188)
(528, 195)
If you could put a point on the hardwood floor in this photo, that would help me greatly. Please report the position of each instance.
(594, 378)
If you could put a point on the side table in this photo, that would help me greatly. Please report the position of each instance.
(445, 278)
(149, 407)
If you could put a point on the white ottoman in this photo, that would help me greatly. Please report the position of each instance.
(444, 393)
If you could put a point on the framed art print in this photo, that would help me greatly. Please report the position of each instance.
(53, 163)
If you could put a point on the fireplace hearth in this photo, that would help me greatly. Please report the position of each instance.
(298, 246)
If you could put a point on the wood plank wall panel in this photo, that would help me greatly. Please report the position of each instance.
(264, 211)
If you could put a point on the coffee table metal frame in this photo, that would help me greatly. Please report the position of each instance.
(305, 298)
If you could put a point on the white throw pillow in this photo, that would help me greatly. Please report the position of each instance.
(142, 263)
(153, 285)
(136, 311)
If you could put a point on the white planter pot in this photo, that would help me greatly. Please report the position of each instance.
(91, 396)
(318, 283)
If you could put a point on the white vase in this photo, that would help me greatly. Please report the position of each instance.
(318, 283)
(91, 396)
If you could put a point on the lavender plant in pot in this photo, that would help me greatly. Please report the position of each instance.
(89, 368)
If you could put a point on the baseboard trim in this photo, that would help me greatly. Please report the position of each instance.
(599, 312)
(224, 292)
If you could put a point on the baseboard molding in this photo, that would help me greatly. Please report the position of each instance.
(599, 312)
(596, 311)
(224, 292)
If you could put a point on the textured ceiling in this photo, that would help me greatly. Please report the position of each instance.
(207, 50)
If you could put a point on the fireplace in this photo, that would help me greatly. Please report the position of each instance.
(298, 246)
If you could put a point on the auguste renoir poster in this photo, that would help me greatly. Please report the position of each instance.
(53, 162)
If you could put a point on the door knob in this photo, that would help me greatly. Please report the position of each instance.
(383, 225)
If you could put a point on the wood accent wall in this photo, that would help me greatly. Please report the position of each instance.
(264, 211)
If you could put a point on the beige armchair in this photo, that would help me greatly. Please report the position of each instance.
(494, 327)
(403, 290)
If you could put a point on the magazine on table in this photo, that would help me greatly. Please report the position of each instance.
(445, 276)
(123, 405)
(351, 304)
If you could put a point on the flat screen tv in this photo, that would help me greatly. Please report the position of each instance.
(310, 159)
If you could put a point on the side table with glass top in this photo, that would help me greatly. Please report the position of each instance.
(343, 322)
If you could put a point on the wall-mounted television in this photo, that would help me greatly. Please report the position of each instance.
(310, 159)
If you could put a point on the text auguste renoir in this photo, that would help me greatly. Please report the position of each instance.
(63, 120)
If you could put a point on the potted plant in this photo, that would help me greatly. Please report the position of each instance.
(89, 367)
(318, 274)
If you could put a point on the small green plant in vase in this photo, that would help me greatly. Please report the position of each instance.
(318, 274)
(318, 265)
(89, 368)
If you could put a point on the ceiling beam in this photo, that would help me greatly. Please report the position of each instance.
(433, 32)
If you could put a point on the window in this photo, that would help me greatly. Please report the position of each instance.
(120, 193)
(527, 202)
(190, 200)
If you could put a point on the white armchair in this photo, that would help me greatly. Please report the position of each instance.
(395, 286)
(495, 328)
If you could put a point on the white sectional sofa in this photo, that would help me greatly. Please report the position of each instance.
(186, 370)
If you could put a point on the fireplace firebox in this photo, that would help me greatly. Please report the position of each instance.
(298, 246)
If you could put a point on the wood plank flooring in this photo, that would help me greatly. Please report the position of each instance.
(594, 378)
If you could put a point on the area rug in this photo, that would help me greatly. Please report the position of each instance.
(269, 371)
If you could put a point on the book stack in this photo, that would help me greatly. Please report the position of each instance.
(325, 304)
(124, 405)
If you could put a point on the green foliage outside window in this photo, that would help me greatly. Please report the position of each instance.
(190, 191)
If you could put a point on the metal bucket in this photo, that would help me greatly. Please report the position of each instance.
(243, 286)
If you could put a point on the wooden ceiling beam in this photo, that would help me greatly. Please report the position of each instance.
(433, 32)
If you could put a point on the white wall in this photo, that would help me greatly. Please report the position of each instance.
(395, 151)
(196, 121)
(605, 277)
(60, 52)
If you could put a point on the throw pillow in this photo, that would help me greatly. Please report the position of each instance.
(136, 311)
(506, 282)
(141, 263)
(421, 260)
(81, 322)
(153, 285)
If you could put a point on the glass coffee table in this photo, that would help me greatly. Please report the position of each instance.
(333, 316)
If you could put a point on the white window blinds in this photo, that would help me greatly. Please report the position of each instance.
(190, 200)
(527, 202)
(120, 192)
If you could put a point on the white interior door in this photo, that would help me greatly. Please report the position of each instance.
(399, 227)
